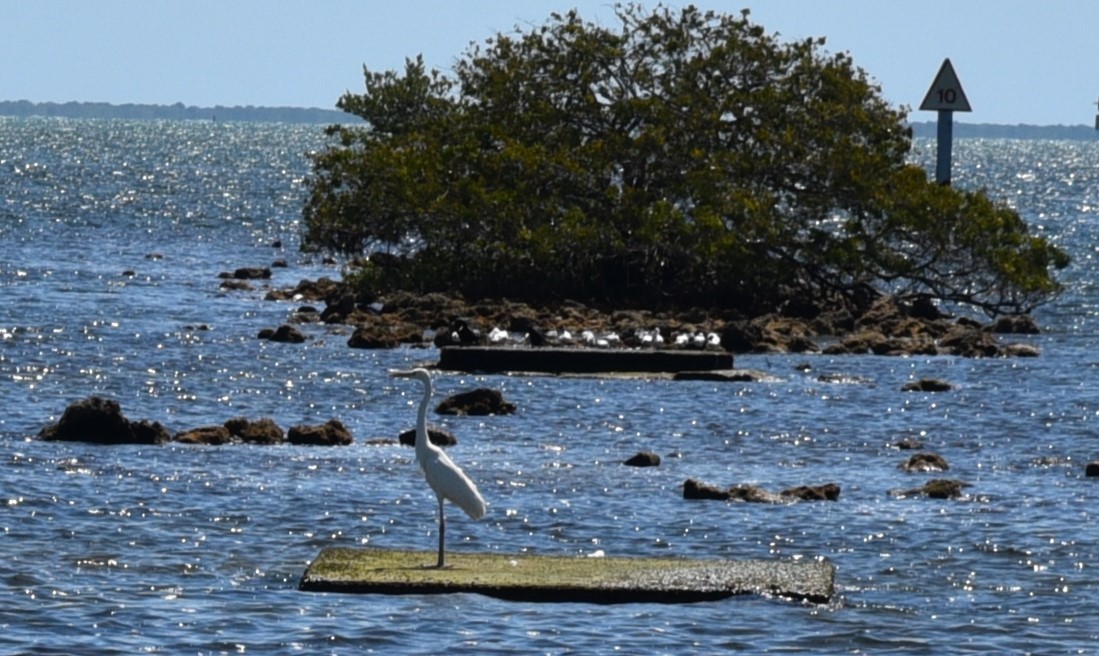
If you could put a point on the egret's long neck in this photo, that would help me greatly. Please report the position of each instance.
(421, 419)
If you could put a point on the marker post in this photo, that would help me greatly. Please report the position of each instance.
(946, 97)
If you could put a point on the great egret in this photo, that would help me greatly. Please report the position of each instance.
(445, 477)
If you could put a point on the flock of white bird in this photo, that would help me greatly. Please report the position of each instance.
(644, 338)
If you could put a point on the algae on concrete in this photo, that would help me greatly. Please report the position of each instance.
(565, 578)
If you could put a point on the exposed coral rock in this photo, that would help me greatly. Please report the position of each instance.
(100, 420)
(478, 402)
(330, 433)
(938, 488)
(261, 431)
(927, 385)
(209, 435)
(925, 462)
(643, 459)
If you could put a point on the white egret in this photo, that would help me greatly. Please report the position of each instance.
(445, 478)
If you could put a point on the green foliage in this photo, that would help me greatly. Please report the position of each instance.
(688, 157)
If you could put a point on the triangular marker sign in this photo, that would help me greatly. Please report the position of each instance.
(946, 92)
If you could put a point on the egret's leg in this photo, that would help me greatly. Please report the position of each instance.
(442, 533)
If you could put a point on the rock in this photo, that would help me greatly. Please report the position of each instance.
(908, 444)
(741, 336)
(826, 492)
(643, 459)
(208, 435)
(337, 309)
(305, 314)
(476, 403)
(833, 322)
(248, 273)
(100, 420)
(261, 431)
(437, 436)
(384, 333)
(692, 489)
(925, 462)
(1015, 324)
(968, 341)
(927, 385)
(371, 337)
(1017, 350)
(1092, 469)
(924, 308)
(236, 285)
(322, 289)
(285, 333)
(801, 344)
(752, 494)
(883, 315)
(938, 488)
(331, 433)
(863, 341)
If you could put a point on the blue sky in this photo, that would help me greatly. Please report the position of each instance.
(1018, 61)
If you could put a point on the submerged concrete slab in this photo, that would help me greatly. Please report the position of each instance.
(567, 579)
(559, 360)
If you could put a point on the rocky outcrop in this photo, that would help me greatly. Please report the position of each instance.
(643, 459)
(437, 436)
(908, 444)
(260, 431)
(693, 489)
(331, 433)
(826, 492)
(247, 273)
(478, 402)
(101, 421)
(285, 333)
(938, 488)
(323, 289)
(205, 435)
(889, 326)
(382, 332)
(927, 385)
(1015, 324)
(925, 462)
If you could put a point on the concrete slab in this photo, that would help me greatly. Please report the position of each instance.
(559, 360)
(567, 579)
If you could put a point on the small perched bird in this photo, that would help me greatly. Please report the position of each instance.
(445, 478)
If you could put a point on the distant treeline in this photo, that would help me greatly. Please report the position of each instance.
(990, 131)
(178, 111)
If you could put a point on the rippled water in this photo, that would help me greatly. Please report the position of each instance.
(180, 549)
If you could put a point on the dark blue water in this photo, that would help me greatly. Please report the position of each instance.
(178, 549)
